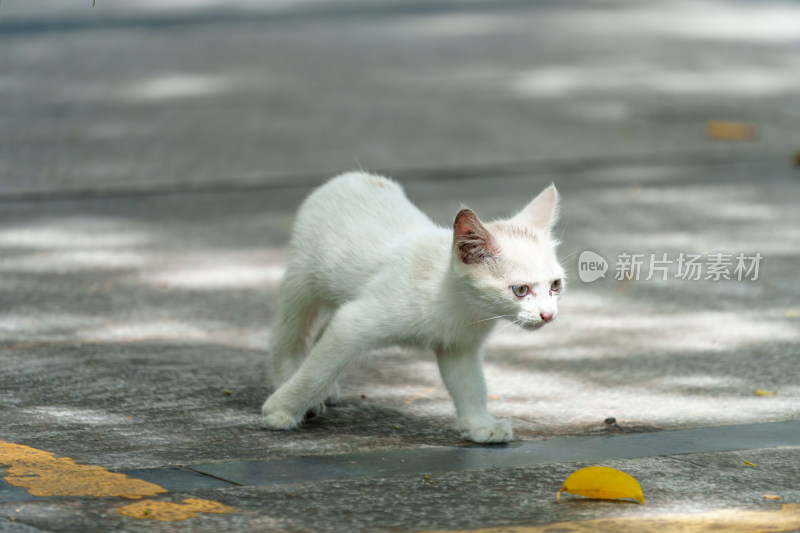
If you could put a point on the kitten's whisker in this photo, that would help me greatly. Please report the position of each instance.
(491, 318)
(568, 256)
(510, 323)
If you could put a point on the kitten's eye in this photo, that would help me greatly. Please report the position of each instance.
(556, 286)
(519, 290)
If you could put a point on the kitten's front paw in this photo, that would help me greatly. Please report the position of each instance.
(487, 431)
(277, 418)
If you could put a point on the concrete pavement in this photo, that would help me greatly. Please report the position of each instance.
(152, 158)
(135, 333)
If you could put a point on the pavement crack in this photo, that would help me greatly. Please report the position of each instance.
(211, 476)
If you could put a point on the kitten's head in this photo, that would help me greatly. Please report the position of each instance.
(509, 267)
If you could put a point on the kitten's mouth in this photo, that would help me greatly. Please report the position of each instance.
(532, 325)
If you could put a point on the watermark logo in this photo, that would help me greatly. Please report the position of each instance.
(714, 266)
(591, 266)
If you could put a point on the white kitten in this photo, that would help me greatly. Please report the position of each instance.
(366, 257)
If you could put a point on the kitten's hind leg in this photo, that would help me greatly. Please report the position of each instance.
(291, 336)
(344, 339)
(299, 322)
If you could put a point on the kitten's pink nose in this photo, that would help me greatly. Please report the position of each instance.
(547, 317)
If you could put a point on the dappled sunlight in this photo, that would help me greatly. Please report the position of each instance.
(45, 326)
(565, 81)
(699, 195)
(132, 331)
(196, 331)
(219, 277)
(725, 201)
(75, 232)
(716, 240)
(62, 261)
(59, 327)
(700, 381)
(74, 244)
(453, 25)
(746, 211)
(219, 270)
(77, 415)
(713, 212)
(558, 402)
(757, 22)
(166, 87)
(107, 280)
(177, 86)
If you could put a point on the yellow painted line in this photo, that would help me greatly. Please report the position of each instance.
(727, 520)
(44, 474)
(171, 512)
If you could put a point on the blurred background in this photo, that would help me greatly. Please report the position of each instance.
(150, 93)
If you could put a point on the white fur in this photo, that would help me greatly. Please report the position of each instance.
(366, 258)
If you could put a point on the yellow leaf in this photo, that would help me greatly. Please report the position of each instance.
(748, 463)
(771, 497)
(602, 483)
(761, 392)
(729, 131)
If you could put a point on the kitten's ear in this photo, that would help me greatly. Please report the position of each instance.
(472, 240)
(542, 212)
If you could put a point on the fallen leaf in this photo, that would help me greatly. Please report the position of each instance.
(771, 497)
(761, 392)
(729, 131)
(603, 483)
(748, 463)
